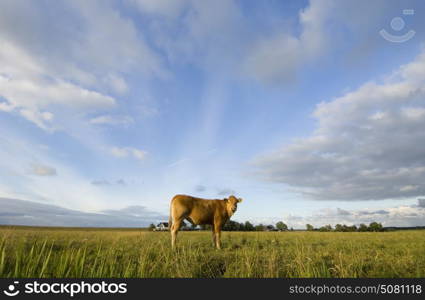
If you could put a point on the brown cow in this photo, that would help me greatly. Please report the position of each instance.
(200, 211)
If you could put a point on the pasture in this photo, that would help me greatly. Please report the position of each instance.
(61, 252)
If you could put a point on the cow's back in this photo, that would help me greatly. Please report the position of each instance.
(183, 202)
(200, 211)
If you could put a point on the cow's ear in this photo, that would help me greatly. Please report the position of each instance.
(240, 199)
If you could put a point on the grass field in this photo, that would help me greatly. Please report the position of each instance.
(55, 252)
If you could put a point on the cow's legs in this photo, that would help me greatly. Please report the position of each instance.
(174, 230)
(213, 235)
(217, 235)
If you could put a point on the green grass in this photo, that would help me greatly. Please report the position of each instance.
(61, 252)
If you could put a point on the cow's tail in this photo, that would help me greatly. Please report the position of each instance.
(170, 218)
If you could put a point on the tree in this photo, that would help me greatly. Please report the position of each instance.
(281, 226)
(352, 228)
(249, 226)
(231, 226)
(152, 227)
(241, 226)
(270, 228)
(326, 228)
(374, 226)
(362, 227)
(309, 227)
(260, 227)
(338, 227)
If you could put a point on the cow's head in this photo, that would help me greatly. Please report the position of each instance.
(232, 204)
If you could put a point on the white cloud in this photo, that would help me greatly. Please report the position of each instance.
(101, 182)
(206, 34)
(80, 66)
(128, 152)
(162, 7)
(139, 154)
(369, 144)
(112, 120)
(26, 89)
(119, 152)
(276, 58)
(117, 83)
(6, 107)
(323, 26)
(41, 119)
(42, 170)
(112, 42)
(219, 36)
(30, 93)
(104, 182)
(31, 97)
(408, 188)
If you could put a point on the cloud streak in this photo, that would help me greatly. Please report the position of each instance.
(104, 182)
(42, 170)
(123, 152)
(112, 120)
(225, 192)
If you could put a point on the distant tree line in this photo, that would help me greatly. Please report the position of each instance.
(280, 226)
(374, 226)
(248, 226)
(236, 226)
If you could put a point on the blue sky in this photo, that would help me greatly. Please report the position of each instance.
(300, 107)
